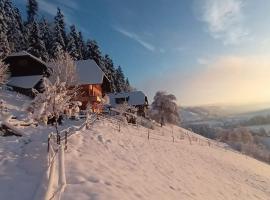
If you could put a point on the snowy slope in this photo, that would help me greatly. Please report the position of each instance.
(103, 163)
(23, 160)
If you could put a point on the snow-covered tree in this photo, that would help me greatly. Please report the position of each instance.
(164, 109)
(73, 44)
(64, 69)
(58, 46)
(110, 72)
(58, 96)
(59, 21)
(93, 52)
(81, 46)
(128, 87)
(4, 73)
(4, 44)
(32, 10)
(46, 35)
(36, 44)
(16, 32)
(120, 80)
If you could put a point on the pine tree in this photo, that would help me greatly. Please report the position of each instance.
(73, 46)
(93, 52)
(110, 72)
(18, 33)
(4, 45)
(120, 80)
(36, 44)
(14, 27)
(58, 46)
(128, 87)
(46, 35)
(59, 20)
(32, 9)
(82, 46)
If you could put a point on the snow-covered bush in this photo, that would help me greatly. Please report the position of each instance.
(57, 98)
(145, 123)
(4, 73)
(164, 109)
(127, 113)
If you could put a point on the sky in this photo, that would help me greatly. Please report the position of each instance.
(202, 51)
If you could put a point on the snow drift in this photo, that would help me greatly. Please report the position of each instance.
(103, 163)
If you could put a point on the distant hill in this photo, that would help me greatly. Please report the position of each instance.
(199, 113)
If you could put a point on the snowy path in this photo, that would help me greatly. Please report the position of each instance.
(23, 162)
(103, 163)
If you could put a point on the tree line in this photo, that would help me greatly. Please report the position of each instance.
(49, 39)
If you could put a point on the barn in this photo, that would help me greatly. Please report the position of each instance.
(136, 99)
(26, 72)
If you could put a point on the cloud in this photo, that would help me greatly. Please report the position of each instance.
(224, 19)
(51, 9)
(226, 80)
(47, 7)
(69, 4)
(202, 61)
(135, 37)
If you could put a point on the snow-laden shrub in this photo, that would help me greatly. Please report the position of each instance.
(57, 98)
(145, 123)
(54, 101)
(127, 113)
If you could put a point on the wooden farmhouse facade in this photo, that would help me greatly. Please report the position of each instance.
(27, 73)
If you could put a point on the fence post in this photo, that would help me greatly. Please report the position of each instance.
(48, 148)
(58, 139)
(119, 129)
(66, 133)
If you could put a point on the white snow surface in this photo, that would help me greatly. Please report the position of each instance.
(89, 72)
(26, 82)
(134, 98)
(23, 160)
(103, 163)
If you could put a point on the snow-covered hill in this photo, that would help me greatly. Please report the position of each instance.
(103, 163)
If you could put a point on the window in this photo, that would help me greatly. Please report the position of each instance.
(121, 100)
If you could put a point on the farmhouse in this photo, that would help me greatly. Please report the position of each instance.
(135, 98)
(93, 84)
(27, 72)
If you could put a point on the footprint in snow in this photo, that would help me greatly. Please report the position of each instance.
(93, 179)
(100, 139)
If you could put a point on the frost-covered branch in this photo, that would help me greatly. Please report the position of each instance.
(65, 70)
(164, 109)
(58, 96)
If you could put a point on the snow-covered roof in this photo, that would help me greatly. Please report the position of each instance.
(26, 82)
(89, 72)
(133, 98)
(25, 53)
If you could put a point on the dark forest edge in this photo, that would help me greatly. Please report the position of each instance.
(48, 39)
